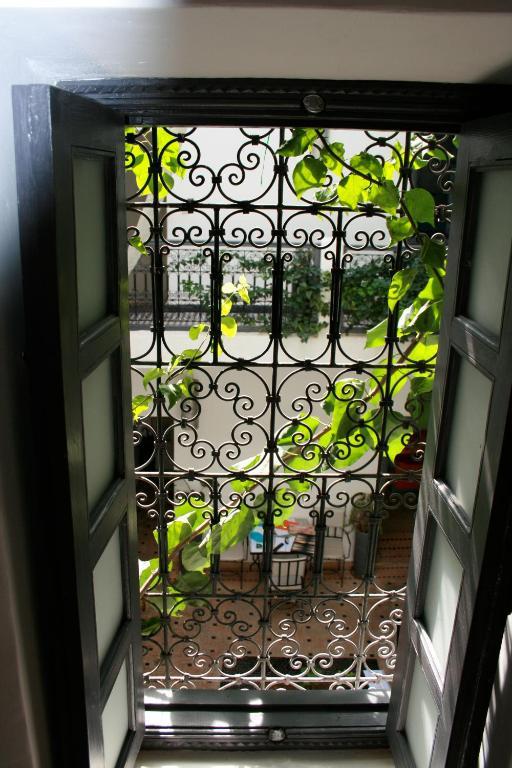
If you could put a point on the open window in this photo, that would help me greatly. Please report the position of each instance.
(72, 211)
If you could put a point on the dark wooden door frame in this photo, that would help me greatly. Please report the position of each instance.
(426, 107)
(357, 104)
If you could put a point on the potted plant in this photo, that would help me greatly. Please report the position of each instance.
(359, 521)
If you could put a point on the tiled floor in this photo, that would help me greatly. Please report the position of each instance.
(207, 642)
(327, 759)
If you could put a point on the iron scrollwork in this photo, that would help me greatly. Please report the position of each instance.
(269, 619)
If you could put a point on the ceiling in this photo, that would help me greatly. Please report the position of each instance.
(236, 39)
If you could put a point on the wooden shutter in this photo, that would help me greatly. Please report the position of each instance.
(69, 155)
(456, 604)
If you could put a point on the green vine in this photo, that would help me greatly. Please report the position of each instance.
(358, 413)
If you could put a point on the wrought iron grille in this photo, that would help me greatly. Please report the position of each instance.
(186, 288)
(316, 603)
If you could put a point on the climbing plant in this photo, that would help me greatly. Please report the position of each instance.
(359, 418)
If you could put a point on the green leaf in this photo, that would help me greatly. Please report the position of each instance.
(421, 205)
(376, 336)
(300, 142)
(153, 373)
(389, 170)
(137, 243)
(195, 330)
(337, 404)
(423, 316)
(229, 288)
(433, 290)
(149, 570)
(424, 351)
(386, 196)
(168, 179)
(243, 289)
(228, 326)
(192, 581)
(399, 286)
(399, 229)
(368, 164)
(193, 557)
(173, 393)
(397, 440)
(333, 163)
(418, 406)
(225, 307)
(358, 441)
(140, 404)
(351, 191)
(308, 173)
(422, 384)
(188, 355)
(433, 253)
(150, 626)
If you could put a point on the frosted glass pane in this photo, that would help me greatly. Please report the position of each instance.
(444, 580)
(421, 720)
(115, 720)
(491, 251)
(98, 416)
(90, 239)
(108, 594)
(467, 434)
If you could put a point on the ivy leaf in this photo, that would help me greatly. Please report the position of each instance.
(168, 179)
(193, 558)
(149, 570)
(300, 142)
(399, 286)
(410, 314)
(397, 440)
(137, 243)
(421, 205)
(332, 163)
(433, 253)
(433, 290)
(150, 626)
(424, 351)
(376, 336)
(351, 190)
(369, 164)
(343, 453)
(225, 307)
(140, 404)
(422, 384)
(187, 356)
(195, 330)
(228, 326)
(152, 374)
(192, 581)
(386, 196)
(338, 403)
(308, 173)
(173, 393)
(243, 289)
(399, 229)
(229, 288)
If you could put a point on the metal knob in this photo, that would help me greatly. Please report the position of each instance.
(313, 103)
